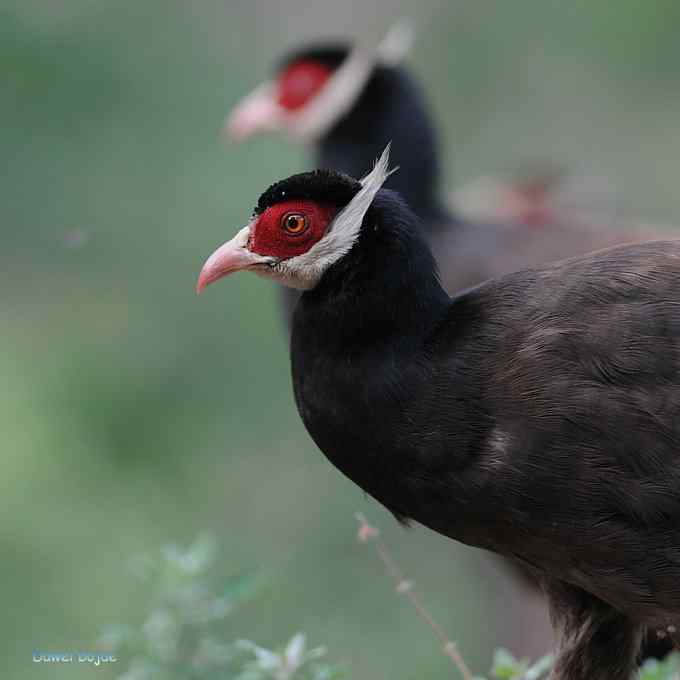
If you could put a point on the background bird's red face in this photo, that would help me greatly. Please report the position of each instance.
(288, 229)
(300, 82)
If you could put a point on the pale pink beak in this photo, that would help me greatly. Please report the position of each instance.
(230, 257)
(257, 112)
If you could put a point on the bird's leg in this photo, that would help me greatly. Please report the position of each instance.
(595, 641)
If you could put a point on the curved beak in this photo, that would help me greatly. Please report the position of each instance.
(257, 112)
(230, 257)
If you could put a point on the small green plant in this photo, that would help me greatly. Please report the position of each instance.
(180, 638)
(293, 662)
(668, 669)
(507, 667)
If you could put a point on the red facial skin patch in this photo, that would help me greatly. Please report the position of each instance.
(268, 235)
(300, 82)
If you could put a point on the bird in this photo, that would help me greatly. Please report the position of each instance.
(347, 101)
(536, 415)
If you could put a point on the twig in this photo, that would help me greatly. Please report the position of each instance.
(368, 533)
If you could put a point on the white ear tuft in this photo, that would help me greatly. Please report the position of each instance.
(304, 271)
(349, 219)
(398, 42)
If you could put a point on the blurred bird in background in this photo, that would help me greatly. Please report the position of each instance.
(348, 102)
(537, 195)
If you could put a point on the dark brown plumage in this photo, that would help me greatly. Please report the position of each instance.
(392, 107)
(536, 415)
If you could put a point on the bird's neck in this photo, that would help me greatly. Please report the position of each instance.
(390, 109)
(386, 291)
(360, 359)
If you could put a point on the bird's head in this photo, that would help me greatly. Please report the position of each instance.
(314, 87)
(299, 228)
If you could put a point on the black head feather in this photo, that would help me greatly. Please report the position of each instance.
(326, 186)
(328, 54)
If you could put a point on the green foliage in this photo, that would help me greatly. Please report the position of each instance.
(181, 639)
(668, 669)
(507, 667)
(293, 662)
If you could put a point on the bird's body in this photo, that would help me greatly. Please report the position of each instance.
(551, 393)
(390, 107)
(536, 415)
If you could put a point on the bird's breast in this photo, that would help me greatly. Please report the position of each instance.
(372, 422)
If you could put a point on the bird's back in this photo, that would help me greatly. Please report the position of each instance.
(580, 381)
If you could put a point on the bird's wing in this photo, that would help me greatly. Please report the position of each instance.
(607, 325)
(585, 393)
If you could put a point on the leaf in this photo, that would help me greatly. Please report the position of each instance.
(327, 673)
(196, 559)
(265, 658)
(668, 669)
(506, 666)
(539, 668)
(294, 652)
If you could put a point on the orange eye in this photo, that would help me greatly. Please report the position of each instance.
(294, 223)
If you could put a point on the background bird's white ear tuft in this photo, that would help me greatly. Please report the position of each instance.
(397, 43)
(380, 173)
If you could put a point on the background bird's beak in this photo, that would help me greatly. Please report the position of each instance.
(257, 112)
(232, 256)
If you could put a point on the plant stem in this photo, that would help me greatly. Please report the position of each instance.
(367, 533)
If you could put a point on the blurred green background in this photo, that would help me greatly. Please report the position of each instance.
(134, 413)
